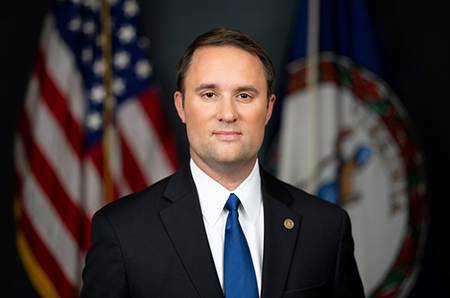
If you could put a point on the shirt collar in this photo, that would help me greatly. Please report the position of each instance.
(213, 196)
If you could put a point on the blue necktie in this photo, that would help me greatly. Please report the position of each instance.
(239, 274)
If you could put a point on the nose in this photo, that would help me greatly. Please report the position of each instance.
(227, 110)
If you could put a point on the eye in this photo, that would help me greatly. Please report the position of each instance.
(208, 95)
(244, 96)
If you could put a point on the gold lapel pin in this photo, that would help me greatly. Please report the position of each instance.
(288, 223)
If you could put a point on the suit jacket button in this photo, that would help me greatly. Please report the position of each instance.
(288, 223)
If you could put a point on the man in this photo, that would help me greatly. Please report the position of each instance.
(178, 237)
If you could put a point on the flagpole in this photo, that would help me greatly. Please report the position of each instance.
(108, 103)
(312, 61)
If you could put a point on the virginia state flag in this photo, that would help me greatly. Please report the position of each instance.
(346, 137)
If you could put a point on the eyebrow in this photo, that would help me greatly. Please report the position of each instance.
(248, 88)
(214, 86)
(205, 86)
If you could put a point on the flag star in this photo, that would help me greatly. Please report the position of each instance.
(94, 121)
(86, 55)
(118, 86)
(94, 5)
(89, 28)
(75, 24)
(99, 67)
(130, 8)
(121, 60)
(98, 94)
(126, 33)
(143, 69)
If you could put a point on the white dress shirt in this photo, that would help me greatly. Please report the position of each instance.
(213, 197)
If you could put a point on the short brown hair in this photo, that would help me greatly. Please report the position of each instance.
(226, 37)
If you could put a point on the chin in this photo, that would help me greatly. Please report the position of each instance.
(233, 160)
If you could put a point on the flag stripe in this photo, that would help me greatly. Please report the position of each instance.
(58, 105)
(50, 183)
(46, 259)
(123, 187)
(137, 131)
(96, 156)
(45, 219)
(150, 103)
(133, 174)
(61, 68)
(92, 194)
(57, 151)
(39, 278)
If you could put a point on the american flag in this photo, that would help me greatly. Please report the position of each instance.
(91, 131)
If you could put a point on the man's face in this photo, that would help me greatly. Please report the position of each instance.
(225, 106)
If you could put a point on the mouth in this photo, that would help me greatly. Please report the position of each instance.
(226, 135)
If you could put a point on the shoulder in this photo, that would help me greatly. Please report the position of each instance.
(151, 200)
(309, 206)
(138, 198)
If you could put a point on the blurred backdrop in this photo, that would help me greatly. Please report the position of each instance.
(413, 41)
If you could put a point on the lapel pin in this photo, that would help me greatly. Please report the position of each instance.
(288, 223)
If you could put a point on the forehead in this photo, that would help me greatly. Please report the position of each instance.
(225, 62)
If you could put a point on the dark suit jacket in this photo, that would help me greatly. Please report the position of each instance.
(153, 244)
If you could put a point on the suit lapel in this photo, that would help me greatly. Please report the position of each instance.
(279, 241)
(184, 224)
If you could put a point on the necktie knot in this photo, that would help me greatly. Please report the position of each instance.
(233, 203)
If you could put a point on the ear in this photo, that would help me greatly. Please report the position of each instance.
(178, 97)
(270, 107)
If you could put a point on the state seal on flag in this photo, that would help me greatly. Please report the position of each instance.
(368, 162)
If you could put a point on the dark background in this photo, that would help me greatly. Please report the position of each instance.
(414, 38)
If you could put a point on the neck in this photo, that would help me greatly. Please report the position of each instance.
(229, 176)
